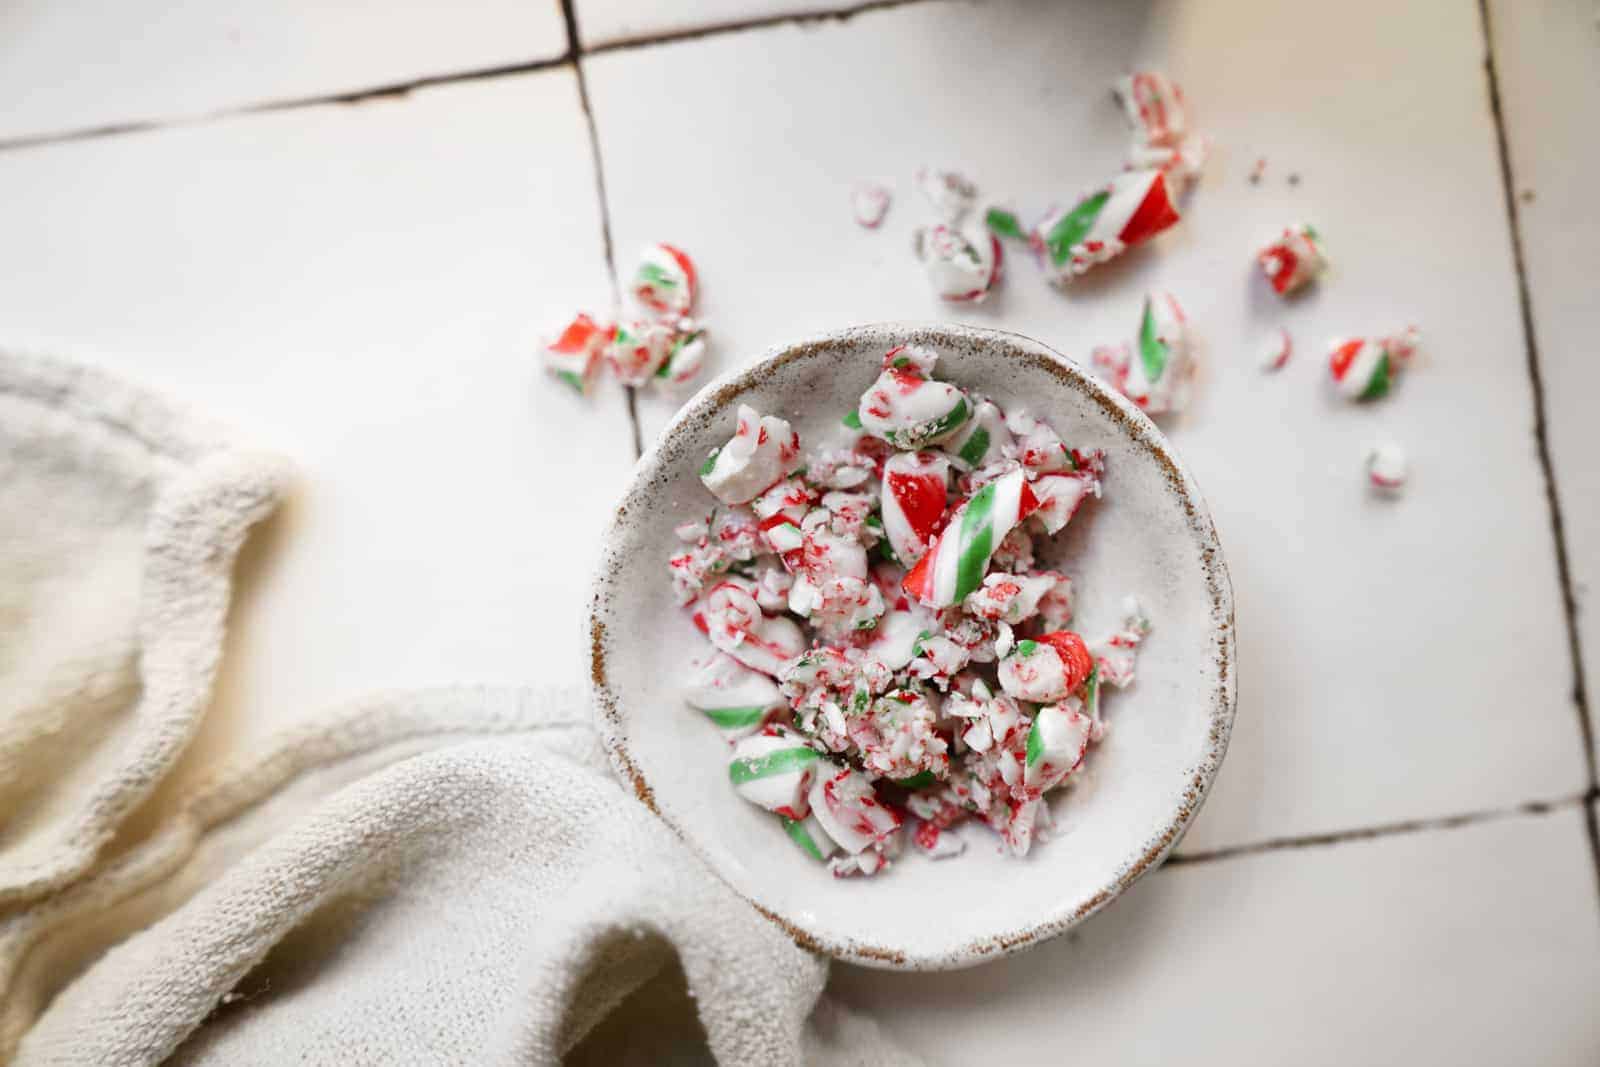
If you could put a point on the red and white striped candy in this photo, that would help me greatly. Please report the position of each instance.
(1048, 669)
(574, 355)
(736, 699)
(1116, 655)
(774, 769)
(763, 450)
(913, 501)
(1133, 208)
(665, 281)
(686, 354)
(735, 623)
(1276, 351)
(849, 810)
(1154, 107)
(1060, 495)
(1364, 369)
(960, 558)
(962, 262)
(911, 411)
(636, 350)
(1293, 260)
(869, 201)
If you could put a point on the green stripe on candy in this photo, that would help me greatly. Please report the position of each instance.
(797, 833)
(1091, 693)
(711, 461)
(852, 420)
(1035, 743)
(782, 761)
(1153, 352)
(920, 780)
(976, 447)
(1027, 648)
(735, 718)
(656, 275)
(571, 378)
(1071, 227)
(1379, 383)
(949, 421)
(1004, 223)
(977, 542)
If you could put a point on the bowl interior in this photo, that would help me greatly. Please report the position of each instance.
(1150, 536)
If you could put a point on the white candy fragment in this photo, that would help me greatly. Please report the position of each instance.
(763, 450)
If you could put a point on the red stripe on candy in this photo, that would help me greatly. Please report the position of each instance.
(1154, 213)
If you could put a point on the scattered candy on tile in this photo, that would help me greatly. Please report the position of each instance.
(1155, 371)
(663, 347)
(1133, 208)
(887, 661)
(1276, 351)
(1386, 467)
(1365, 368)
(869, 202)
(1293, 259)
(962, 261)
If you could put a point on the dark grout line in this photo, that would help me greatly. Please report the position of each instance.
(575, 57)
(1369, 833)
(722, 29)
(1541, 434)
(394, 90)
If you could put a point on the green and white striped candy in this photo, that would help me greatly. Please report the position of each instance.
(1056, 745)
(734, 697)
(982, 440)
(955, 566)
(773, 770)
(809, 836)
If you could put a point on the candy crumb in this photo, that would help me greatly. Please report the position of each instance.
(1386, 467)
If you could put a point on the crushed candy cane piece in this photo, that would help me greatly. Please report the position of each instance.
(956, 564)
(665, 281)
(762, 451)
(736, 699)
(1386, 466)
(1276, 351)
(869, 201)
(774, 769)
(1365, 368)
(809, 836)
(1155, 371)
(1293, 259)
(1046, 669)
(1154, 107)
(636, 350)
(1133, 208)
(911, 411)
(949, 194)
(849, 810)
(1115, 656)
(962, 262)
(574, 354)
(913, 495)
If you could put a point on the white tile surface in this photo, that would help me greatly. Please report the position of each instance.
(357, 287)
(1381, 643)
(1469, 946)
(75, 64)
(603, 22)
(1548, 56)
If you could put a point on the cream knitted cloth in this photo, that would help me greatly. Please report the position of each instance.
(438, 877)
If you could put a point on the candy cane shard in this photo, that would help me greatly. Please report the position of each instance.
(846, 805)
(774, 769)
(763, 450)
(981, 440)
(636, 350)
(1057, 743)
(1046, 669)
(686, 354)
(1364, 369)
(913, 499)
(1386, 466)
(962, 263)
(959, 559)
(736, 699)
(910, 410)
(809, 836)
(1133, 208)
(575, 354)
(1293, 260)
(869, 202)
(665, 281)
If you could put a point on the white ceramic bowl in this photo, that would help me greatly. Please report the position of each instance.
(1150, 536)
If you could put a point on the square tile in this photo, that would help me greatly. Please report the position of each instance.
(1548, 57)
(359, 288)
(603, 22)
(1476, 945)
(1381, 642)
(76, 64)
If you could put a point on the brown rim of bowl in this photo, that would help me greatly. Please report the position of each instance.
(714, 400)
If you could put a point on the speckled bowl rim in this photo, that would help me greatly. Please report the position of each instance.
(717, 399)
